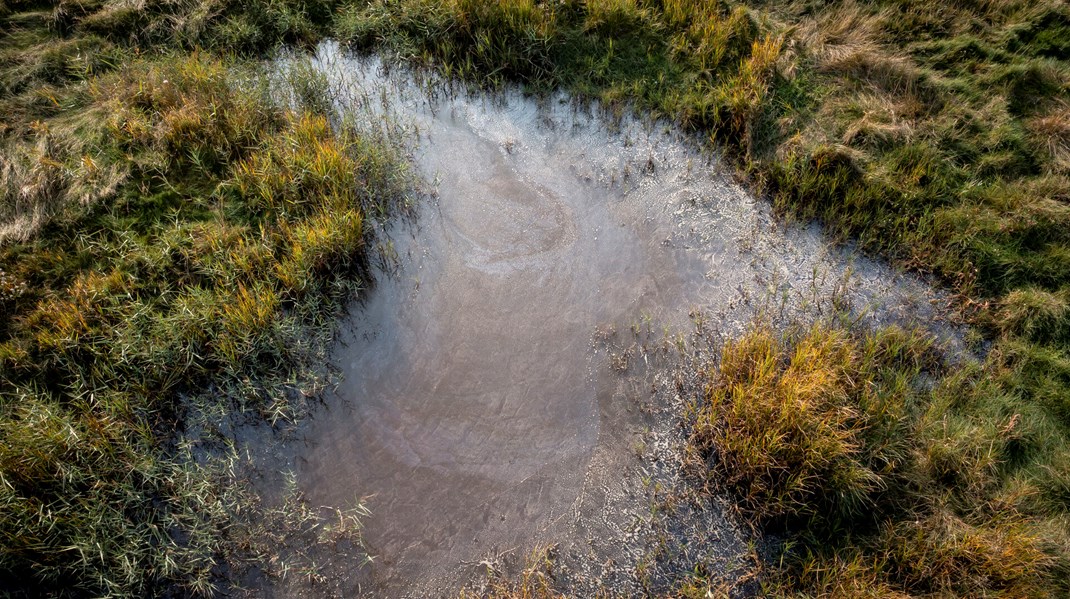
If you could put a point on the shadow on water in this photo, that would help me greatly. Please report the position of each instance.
(478, 410)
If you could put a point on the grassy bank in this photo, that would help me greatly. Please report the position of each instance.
(167, 227)
(935, 134)
(887, 471)
(173, 240)
(930, 133)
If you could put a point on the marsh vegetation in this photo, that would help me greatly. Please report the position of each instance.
(933, 134)
(175, 241)
(173, 235)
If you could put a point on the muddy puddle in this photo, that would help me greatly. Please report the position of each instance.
(482, 408)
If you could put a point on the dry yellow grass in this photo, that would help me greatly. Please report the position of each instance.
(1052, 131)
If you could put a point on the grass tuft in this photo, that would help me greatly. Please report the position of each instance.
(879, 482)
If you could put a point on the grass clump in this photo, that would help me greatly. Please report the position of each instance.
(788, 437)
(881, 479)
(215, 255)
(90, 505)
(1036, 314)
(534, 581)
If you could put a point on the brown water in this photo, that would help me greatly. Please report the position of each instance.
(474, 406)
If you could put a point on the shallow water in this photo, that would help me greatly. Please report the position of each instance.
(472, 394)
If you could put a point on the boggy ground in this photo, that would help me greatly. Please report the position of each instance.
(932, 132)
(174, 244)
(470, 407)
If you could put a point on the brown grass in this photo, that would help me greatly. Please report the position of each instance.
(1052, 131)
(787, 434)
(883, 487)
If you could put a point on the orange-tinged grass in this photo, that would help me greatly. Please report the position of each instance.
(881, 484)
(219, 263)
(788, 433)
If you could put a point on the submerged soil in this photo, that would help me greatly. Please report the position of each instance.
(514, 378)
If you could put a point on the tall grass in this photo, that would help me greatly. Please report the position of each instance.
(159, 227)
(885, 483)
(233, 237)
(174, 245)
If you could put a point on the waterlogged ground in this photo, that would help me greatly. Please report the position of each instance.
(506, 383)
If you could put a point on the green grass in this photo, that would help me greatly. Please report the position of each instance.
(885, 484)
(934, 134)
(174, 241)
(164, 229)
